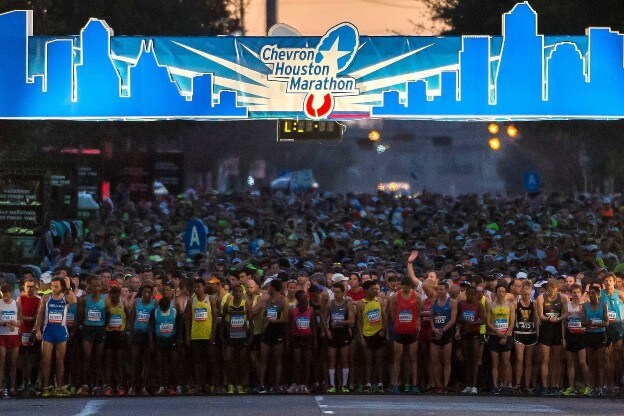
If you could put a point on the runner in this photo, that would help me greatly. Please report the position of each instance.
(257, 313)
(164, 336)
(303, 339)
(574, 340)
(372, 324)
(51, 329)
(404, 309)
(614, 299)
(28, 301)
(470, 316)
(444, 315)
(10, 320)
(501, 317)
(425, 336)
(201, 326)
(237, 334)
(355, 292)
(525, 338)
(115, 343)
(551, 314)
(139, 339)
(92, 315)
(337, 319)
(595, 320)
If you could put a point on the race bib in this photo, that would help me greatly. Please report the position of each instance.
(55, 318)
(337, 317)
(272, 313)
(166, 328)
(200, 314)
(237, 321)
(70, 318)
(405, 316)
(468, 316)
(501, 324)
(596, 322)
(439, 320)
(143, 317)
(25, 339)
(612, 316)
(303, 322)
(8, 316)
(525, 325)
(552, 314)
(94, 316)
(574, 324)
(114, 322)
(374, 317)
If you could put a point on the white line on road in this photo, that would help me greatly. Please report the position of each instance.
(91, 408)
(466, 407)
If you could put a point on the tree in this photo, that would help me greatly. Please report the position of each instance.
(553, 147)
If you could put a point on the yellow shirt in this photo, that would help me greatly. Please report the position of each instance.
(117, 318)
(372, 319)
(201, 324)
(500, 317)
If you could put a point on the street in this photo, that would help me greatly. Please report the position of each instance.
(351, 405)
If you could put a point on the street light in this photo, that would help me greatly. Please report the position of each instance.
(512, 131)
(374, 136)
(493, 128)
(494, 143)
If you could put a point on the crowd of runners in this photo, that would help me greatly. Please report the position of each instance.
(302, 294)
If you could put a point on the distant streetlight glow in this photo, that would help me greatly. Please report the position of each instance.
(512, 131)
(494, 143)
(493, 128)
(374, 136)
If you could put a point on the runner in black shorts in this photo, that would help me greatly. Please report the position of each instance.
(337, 320)
(525, 337)
(550, 310)
(595, 319)
(236, 333)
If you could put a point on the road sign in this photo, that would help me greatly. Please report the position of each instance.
(195, 237)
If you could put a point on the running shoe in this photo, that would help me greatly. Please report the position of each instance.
(96, 391)
(260, 390)
(407, 388)
(415, 390)
(240, 390)
(467, 390)
(144, 392)
(394, 390)
(474, 390)
(380, 389)
(73, 390)
(586, 391)
(108, 391)
(292, 389)
(345, 390)
(545, 392)
(84, 390)
(556, 392)
(13, 392)
(131, 392)
(4, 393)
(303, 389)
(121, 392)
(367, 389)
(569, 391)
(230, 389)
(160, 391)
(172, 391)
(48, 392)
(194, 391)
(331, 390)
(441, 390)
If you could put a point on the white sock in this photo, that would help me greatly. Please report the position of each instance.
(345, 376)
(332, 376)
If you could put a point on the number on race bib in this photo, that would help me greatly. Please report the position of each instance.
(237, 321)
(200, 314)
(303, 322)
(374, 316)
(405, 316)
(94, 316)
(166, 328)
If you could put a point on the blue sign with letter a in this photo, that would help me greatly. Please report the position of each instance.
(195, 237)
(532, 182)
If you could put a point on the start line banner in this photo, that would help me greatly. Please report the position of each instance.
(520, 75)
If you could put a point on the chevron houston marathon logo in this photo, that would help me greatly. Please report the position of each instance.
(316, 71)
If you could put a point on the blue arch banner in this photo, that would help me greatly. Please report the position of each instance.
(520, 75)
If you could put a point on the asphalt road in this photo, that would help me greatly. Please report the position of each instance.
(312, 405)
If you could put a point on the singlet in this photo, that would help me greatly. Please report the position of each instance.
(301, 322)
(525, 319)
(406, 316)
(30, 306)
(441, 314)
(372, 318)
(164, 323)
(236, 320)
(469, 314)
(356, 296)
(614, 305)
(575, 326)
(500, 317)
(272, 311)
(594, 316)
(117, 318)
(338, 313)
(95, 312)
(201, 325)
(552, 308)
(56, 312)
(8, 313)
(142, 315)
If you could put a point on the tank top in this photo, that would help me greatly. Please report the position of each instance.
(441, 314)
(95, 312)
(301, 322)
(338, 313)
(470, 314)
(406, 315)
(201, 324)
(117, 318)
(30, 306)
(614, 305)
(8, 313)
(164, 323)
(236, 320)
(142, 315)
(594, 316)
(272, 310)
(356, 296)
(372, 318)
(56, 312)
(525, 319)
(552, 308)
(500, 317)
(575, 326)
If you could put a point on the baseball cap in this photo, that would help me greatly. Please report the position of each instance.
(339, 277)
(522, 275)
(214, 280)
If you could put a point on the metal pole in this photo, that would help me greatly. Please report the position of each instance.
(271, 13)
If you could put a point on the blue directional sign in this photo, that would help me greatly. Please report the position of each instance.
(520, 75)
(532, 182)
(195, 236)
